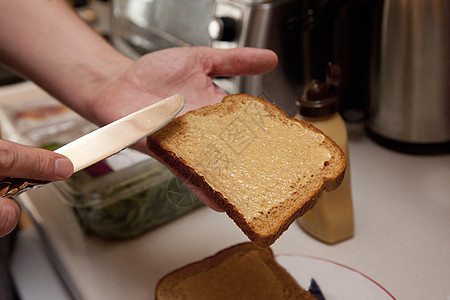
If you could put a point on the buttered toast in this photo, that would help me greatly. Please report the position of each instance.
(262, 167)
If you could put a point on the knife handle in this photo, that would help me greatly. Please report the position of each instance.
(13, 187)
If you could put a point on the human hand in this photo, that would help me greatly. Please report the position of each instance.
(187, 71)
(52, 46)
(27, 162)
(184, 70)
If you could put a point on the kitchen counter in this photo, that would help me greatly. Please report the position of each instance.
(402, 221)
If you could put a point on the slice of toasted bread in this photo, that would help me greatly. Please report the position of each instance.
(244, 271)
(262, 167)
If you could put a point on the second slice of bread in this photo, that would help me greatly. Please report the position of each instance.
(262, 167)
(243, 271)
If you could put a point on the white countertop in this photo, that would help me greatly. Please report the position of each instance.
(402, 221)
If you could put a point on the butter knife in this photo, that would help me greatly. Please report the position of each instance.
(105, 141)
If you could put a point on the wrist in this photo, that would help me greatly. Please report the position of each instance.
(89, 84)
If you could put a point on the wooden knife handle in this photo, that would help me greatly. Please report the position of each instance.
(13, 187)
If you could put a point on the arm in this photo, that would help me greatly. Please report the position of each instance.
(51, 45)
(47, 42)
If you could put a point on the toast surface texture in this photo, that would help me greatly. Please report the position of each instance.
(244, 271)
(262, 167)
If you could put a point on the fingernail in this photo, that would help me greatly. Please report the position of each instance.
(63, 168)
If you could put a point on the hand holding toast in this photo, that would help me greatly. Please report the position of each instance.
(53, 47)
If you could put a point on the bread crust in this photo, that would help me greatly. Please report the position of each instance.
(332, 176)
(165, 288)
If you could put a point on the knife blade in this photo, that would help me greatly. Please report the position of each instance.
(116, 136)
(106, 141)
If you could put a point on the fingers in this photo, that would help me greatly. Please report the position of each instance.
(200, 195)
(9, 215)
(32, 163)
(240, 61)
(204, 199)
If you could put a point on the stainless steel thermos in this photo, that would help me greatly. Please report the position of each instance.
(410, 73)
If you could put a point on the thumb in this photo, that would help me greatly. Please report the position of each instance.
(9, 215)
(32, 163)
